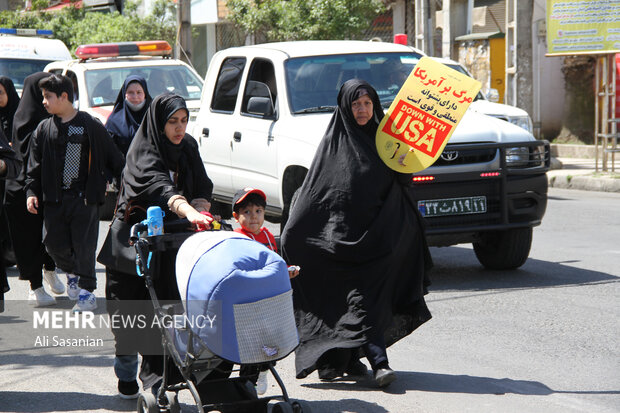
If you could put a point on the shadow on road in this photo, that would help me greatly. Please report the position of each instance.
(52, 401)
(456, 268)
(450, 383)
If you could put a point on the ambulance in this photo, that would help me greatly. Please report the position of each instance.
(26, 51)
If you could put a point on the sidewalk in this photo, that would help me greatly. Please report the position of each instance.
(575, 173)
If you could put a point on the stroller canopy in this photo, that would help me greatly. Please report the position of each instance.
(237, 297)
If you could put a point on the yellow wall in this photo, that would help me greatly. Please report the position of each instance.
(498, 61)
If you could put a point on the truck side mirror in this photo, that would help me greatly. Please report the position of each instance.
(493, 95)
(260, 106)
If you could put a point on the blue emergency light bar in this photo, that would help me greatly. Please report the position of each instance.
(26, 32)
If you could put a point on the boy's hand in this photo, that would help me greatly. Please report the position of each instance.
(293, 271)
(32, 204)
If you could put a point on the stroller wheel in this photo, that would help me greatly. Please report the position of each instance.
(282, 407)
(301, 406)
(147, 403)
(173, 402)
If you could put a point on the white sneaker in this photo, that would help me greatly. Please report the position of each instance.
(53, 281)
(73, 291)
(40, 298)
(261, 383)
(86, 302)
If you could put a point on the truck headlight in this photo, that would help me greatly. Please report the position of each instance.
(516, 157)
(522, 121)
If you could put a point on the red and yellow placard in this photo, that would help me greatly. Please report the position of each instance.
(423, 115)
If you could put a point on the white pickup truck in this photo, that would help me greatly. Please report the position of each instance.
(265, 108)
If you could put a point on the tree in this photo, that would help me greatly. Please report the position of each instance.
(75, 26)
(279, 20)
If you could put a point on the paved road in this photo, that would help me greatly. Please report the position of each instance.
(542, 338)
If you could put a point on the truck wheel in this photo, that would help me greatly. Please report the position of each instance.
(287, 209)
(504, 250)
(221, 209)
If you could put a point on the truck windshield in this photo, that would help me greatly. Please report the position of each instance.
(18, 69)
(313, 82)
(103, 85)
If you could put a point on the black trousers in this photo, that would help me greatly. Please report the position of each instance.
(340, 358)
(70, 232)
(26, 236)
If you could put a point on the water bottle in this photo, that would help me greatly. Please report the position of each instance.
(155, 220)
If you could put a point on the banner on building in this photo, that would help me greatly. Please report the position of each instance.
(583, 27)
(421, 118)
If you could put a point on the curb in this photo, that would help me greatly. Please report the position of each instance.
(584, 182)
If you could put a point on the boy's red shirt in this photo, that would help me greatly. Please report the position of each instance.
(265, 237)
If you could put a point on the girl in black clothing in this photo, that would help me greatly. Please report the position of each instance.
(24, 227)
(163, 168)
(9, 167)
(8, 105)
(356, 232)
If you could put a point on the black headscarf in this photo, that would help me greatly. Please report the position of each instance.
(355, 232)
(152, 158)
(30, 112)
(7, 112)
(123, 122)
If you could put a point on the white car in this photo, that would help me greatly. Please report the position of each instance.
(100, 70)
(482, 104)
(24, 52)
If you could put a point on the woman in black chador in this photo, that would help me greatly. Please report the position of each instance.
(163, 168)
(131, 104)
(357, 235)
(9, 100)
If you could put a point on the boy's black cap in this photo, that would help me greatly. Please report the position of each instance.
(241, 194)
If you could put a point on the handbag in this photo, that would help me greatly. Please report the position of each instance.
(116, 253)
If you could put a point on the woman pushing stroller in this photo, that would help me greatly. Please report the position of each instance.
(163, 169)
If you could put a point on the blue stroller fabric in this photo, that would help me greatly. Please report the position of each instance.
(237, 299)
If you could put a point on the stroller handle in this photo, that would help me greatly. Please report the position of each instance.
(136, 229)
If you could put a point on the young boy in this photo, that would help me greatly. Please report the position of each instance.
(68, 156)
(249, 211)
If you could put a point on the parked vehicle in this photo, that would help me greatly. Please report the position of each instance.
(488, 104)
(266, 107)
(25, 51)
(100, 70)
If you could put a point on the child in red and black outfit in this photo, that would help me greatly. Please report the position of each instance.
(249, 211)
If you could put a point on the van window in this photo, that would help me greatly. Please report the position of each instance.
(261, 72)
(227, 86)
(103, 85)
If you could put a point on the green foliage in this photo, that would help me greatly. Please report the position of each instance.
(279, 20)
(75, 26)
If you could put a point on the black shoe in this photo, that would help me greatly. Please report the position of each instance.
(128, 389)
(356, 368)
(384, 376)
(329, 374)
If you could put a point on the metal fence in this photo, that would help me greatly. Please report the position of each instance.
(228, 35)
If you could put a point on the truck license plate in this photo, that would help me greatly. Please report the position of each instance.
(453, 206)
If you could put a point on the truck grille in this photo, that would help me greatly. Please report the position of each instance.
(450, 157)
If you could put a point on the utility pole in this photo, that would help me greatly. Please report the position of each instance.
(183, 49)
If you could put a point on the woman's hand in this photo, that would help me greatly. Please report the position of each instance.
(197, 218)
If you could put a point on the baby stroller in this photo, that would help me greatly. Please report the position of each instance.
(236, 310)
